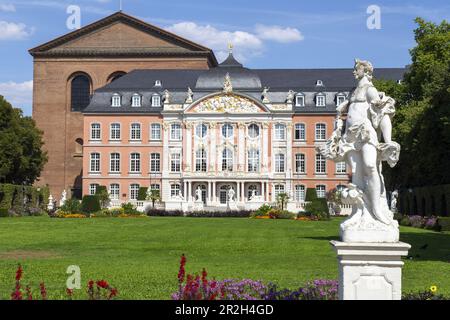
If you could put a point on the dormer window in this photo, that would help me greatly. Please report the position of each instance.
(158, 83)
(320, 100)
(136, 100)
(156, 100)
(300, 100)
(340, 98)
(116, 100)
(319, 83)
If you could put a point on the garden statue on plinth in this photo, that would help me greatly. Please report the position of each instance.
(370, 235)
(231, 201)
(198, 203)
(63, 198)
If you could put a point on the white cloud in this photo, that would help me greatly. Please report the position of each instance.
(14, 31)
(278, 34)
(7, 7)
(20, 95)
(246, 44)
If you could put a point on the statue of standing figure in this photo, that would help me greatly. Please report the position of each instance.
(190, 96)
(63, 198)
(368, 118)
(265, 95)
(198, 194)
(231, 194)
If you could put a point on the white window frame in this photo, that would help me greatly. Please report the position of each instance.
(299, 100)
(227, 131)
(113, 131)
(134, 191)
(320, 164)
(175, 190)
(201, 131)
(300, 162)
(321, 100)
(340, 96)
(136, 100)
(320, 133)
(155, 132)
(155, 162)
(175, 162)
(135, 131)
(253, 127)
(301, 127)
(227, 159)
(280, 163)
(155, 186)
(114, 193)
(156, 101)
(135, 164)
(96, 131)
(94, 164)
(201, 160)
(300, 192)
(341, 167)
(93, 188)
(175, 132)
(277, 189)
(280, 132)
(319, 192)
(114, 163)
(116, 100)
(253, 160)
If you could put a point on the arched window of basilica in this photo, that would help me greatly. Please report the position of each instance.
(80, 89)
(200, 160)
(227, 160)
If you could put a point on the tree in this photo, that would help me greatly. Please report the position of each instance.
(282, 199)
(21, 156)
(153, 196)
(422, 121)
(103, 196)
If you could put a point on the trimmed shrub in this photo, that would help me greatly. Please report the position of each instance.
(444, 223)
(311, 194)
(220, 214)
(142, 194)
(6, 196)
(71, 206)
(317, 208)
(262, 211)
(130, 209)
(164, 213)
(103, 196)
(90, 204)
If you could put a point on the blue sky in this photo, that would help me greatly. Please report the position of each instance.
(265, 34)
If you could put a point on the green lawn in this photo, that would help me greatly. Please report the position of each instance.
(140, 256)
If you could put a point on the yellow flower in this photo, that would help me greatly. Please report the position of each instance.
(433, 289)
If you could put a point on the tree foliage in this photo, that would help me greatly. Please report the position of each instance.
(21, 154)
(422, 122)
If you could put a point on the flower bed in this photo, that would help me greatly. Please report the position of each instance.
(416, 221)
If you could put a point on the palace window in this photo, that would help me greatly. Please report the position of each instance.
(155, 186)
(155, 131)
(96, 133)
(95, 162)
(93, 188)
(135, 163)
(201, 130)
(134, 191)
(227, 130)
(321, 191)
(280, 132)
(80, 92)
(299, 193)
(155, 162)
(175, 131)
(114, 163)
(114, 191)
(340, 98)
(175, 190)
(200, 160)
(279, 188)
(252, 189)
(341, 167)
(300, 163)
(321, 165)
(135, 133)
(116, 100)
(136, 100)
(253, 130)
(321, 131)
(156, 100)
(114, 131)
(175, 162)
(299, 100)
(227, 160)
(279, 163)
(253, 161)
(320, 100)
(300, 132)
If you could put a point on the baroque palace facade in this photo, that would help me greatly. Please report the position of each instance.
(136, 106)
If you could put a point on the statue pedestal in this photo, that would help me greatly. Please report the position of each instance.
(232, 206)
(370, 271)
(198, 206)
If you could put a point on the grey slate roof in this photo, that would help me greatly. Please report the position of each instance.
(248, 81)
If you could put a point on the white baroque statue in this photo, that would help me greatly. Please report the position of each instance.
(394, 199)
(368, 118)
(290, 96)
(63, 198)
(190, 96)
(227, 85)
(198, 195)
(166, 96)
(50, 205)
(265, 95)
(231, 194)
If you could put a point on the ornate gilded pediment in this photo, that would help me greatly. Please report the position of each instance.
(226, 103)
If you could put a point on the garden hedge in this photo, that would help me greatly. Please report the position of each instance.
(13, 196)
(311, 194)
(90, 204)
(444, 223)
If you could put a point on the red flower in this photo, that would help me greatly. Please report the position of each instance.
(90, 284)
(43, 291)
(182, 271)
(113, 293)
(19, 273)
(102, 284)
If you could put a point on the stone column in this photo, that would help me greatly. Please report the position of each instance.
(370, 271)
(263, 190)
(208, 199)
(185, 191)
(243, 192)
(265, 147)
(241, 148)
(214, 192)
(190, 191)
(238, 191)
(213, 147)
